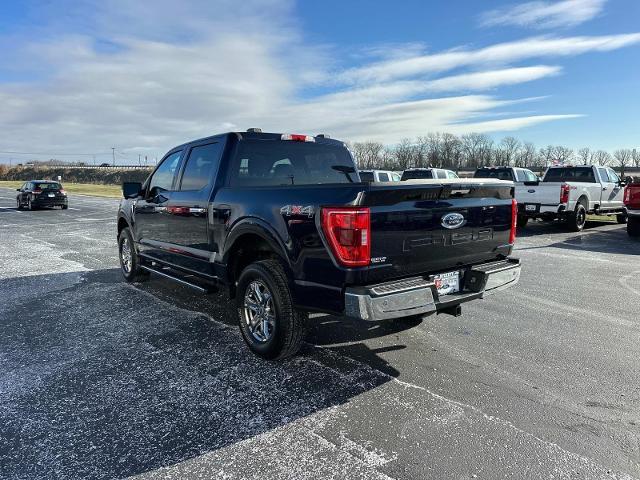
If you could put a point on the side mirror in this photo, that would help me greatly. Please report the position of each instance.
(131, 189)
(18, 189)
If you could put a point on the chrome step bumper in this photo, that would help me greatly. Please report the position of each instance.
(419, 296)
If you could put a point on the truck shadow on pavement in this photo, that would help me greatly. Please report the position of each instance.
(101, 379)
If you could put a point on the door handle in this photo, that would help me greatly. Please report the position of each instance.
(197, 210)
(605, 188)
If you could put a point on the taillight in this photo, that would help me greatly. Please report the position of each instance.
(564, 193)
(37, 190)
(63, 191)
(348, 231)
(514, 220)
(627, 196)
(297, 138)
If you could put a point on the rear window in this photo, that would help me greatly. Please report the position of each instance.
(366, 177)
(576, 174)
(47, 186)
(499, 173)
(265, 163)
(413, 174)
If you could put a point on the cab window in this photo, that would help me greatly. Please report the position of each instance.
(613, 176)
(604, 176)
(201, 166)
(451, 174)
(162, 178)
(384, 177)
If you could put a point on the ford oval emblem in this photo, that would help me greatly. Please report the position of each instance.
(453, 220)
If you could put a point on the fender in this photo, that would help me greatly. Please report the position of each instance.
(258, 227)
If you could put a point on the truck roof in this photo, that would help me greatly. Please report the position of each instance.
(251, 134)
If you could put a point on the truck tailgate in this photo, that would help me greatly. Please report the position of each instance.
(433, 225)
(543, 193)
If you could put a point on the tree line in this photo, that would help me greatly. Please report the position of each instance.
(473, 150)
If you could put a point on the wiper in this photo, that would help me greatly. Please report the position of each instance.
(346, 169)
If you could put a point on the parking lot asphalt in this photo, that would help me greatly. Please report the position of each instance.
(101, 379)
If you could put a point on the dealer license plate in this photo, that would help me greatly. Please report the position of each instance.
(52, 195)
(447, 283)
(530, 208)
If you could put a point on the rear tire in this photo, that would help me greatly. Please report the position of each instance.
(577, 218)
(129, 259)
(621, 218)
(30, 206)
(633, 227)
(64, 207)
(18, 204)
(522, 221)
(271, 327)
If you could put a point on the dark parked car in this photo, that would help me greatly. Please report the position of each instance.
(41, 193)
(286, 224)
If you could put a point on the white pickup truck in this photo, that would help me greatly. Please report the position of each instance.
(569, 193)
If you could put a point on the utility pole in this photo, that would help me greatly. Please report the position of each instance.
(139, 160)
(113, 155)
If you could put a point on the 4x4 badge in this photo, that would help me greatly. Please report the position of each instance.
(289, 210)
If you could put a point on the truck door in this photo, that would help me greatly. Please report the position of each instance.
(608, 189)
(616, 195)
(150, 219)
(187, 211)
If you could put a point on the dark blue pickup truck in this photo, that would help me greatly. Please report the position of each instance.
(285, 223)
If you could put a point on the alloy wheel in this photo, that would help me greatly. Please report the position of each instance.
(125, 255)
(259, 311)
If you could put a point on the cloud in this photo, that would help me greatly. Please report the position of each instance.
(100, 80)
(539, 14)
(501, 53)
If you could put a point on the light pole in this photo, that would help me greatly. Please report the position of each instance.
(113, 155)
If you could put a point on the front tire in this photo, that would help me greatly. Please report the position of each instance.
(271, 327)
(621, 218)
(577, 218)
(18, 204)
(65, 206)
(129, 259)
(30, 206)
(633, 227)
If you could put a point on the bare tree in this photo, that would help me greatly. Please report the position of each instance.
(527, 155)
(472, 147)
(405, 154)
(635, 157)
(562, 154)
(546, 155)
(508, 150)
(584, 154)
(600, 157)
(623, 159)
(451, 151)
(367, 154)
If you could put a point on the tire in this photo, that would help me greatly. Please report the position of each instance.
(18, 204)
(621, 218)
(281, 336)
(129, 259)
(522, 221)
(64, 207)
(577, 218)
(30, 206)
(633, 227)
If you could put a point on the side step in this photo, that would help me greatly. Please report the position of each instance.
(183, 279)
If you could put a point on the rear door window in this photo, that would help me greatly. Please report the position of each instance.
(383, 176)
(613, 176)
(201, 166)
(604, 177)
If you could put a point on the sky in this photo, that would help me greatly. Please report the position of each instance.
(78, 78)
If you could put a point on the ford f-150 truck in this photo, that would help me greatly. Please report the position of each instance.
(284, 222)
(632, 203)
(570, 193)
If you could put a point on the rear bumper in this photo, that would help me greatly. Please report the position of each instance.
(418, 295)
(633, 213)
(540, 210)
(49, 202)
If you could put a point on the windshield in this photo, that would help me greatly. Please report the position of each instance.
(47, 186)
(266, 162)
(577, 174)
(411, 174)
(499, 173)
(366, 177)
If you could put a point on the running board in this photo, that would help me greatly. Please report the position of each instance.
(168, 273)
